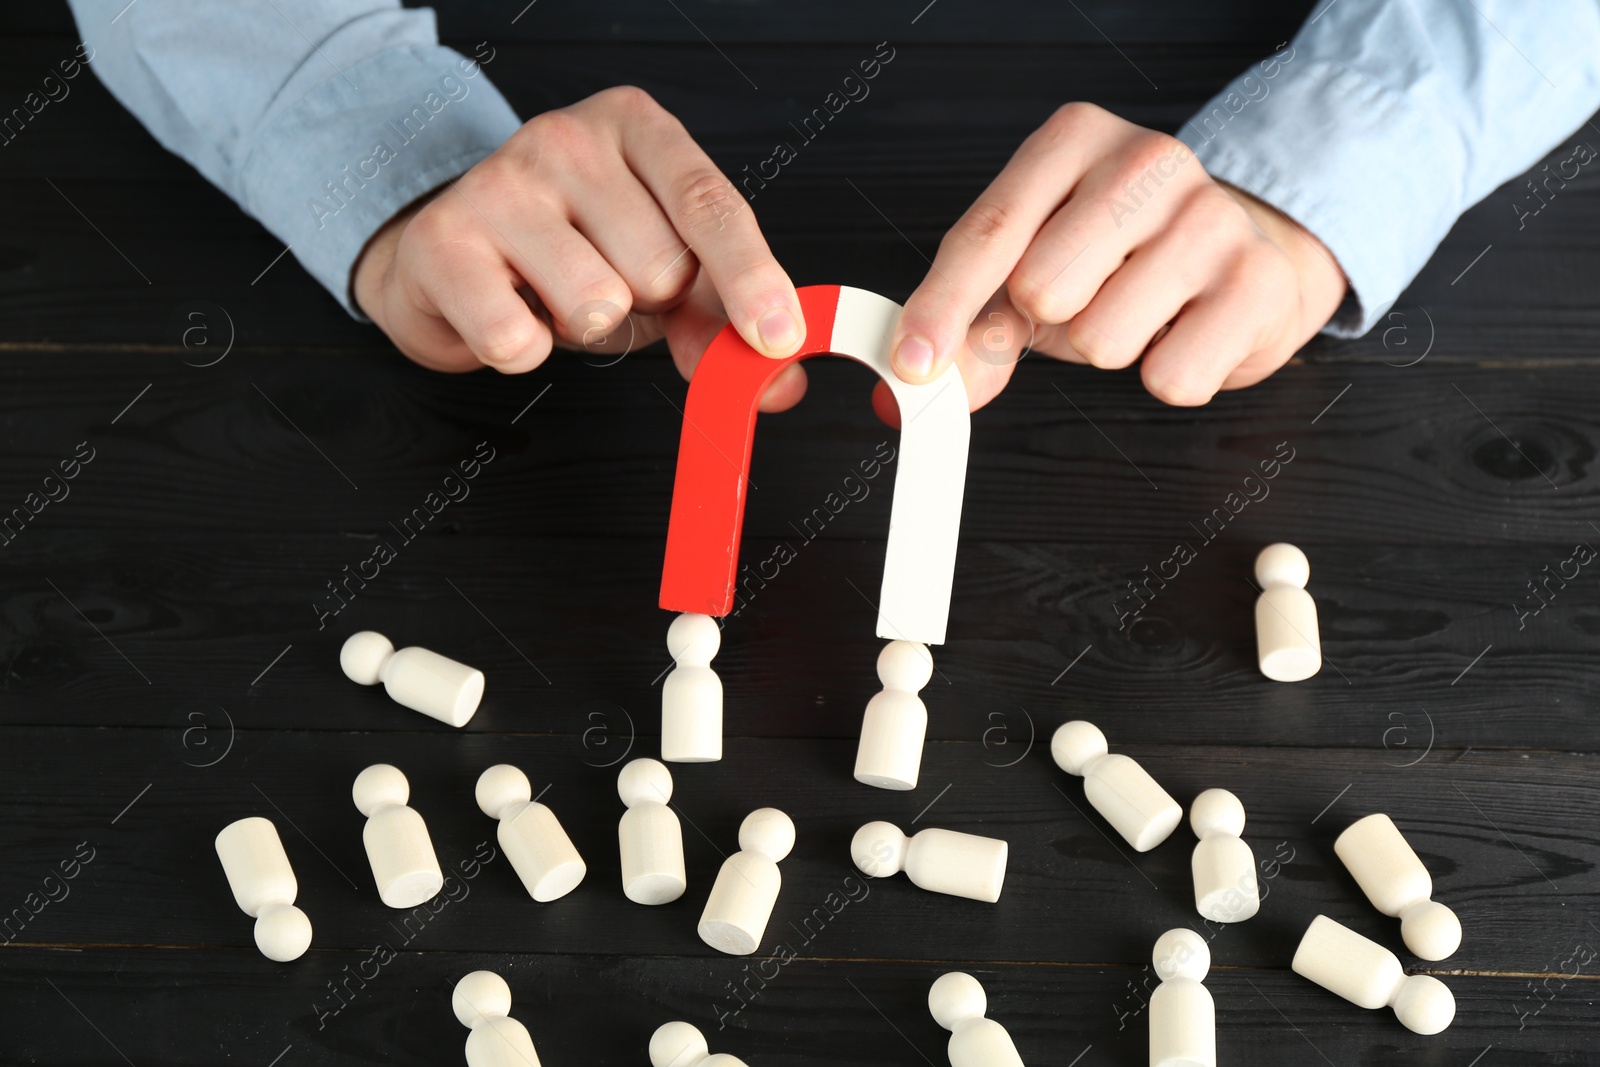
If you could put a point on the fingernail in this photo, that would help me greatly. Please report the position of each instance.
(778, 330)
(914, 357)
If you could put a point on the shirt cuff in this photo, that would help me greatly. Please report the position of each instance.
(1338, 154)
(326, 172)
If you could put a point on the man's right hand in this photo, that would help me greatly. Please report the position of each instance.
(600, 226)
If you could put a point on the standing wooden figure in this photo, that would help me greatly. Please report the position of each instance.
(398, 846)
(747, 886)
(691, 697)
(482, 1001)
(896, 721)
(1183, 1017)
(958, 1004)
(649, 836)
(1288, 645)
(1225, 887)
(1121, 790)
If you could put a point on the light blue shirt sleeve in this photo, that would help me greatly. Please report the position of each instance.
(1384, 120)
(320, 118)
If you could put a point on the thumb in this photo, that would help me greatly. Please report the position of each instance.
(691, 327)
(974, 260)
(931, 327)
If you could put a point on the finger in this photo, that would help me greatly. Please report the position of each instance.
(626, 225)
(605, 344)
(426, 339)
(1140, 298)
(715, 221)
(474, 290)
(1212, 336)
(997, 339)
(1051, 340)
(1112, 212)
(577, 286)
(784, 391)
(1257, 365)
(448, 355)
(986, 243)
(884, 405)
(694, 324)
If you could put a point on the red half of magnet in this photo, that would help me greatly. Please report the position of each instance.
(719, 425)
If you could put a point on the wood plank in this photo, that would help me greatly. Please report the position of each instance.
(582, 1009)
(279, 443)
(1420, 643)
(164, 672)
(1494, 827)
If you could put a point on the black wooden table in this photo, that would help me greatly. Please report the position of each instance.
(239, 443)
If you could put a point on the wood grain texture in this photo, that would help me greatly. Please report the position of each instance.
(852, 1013)
(1503, 834)
(174, 625)
(163, 670)
(311, 442)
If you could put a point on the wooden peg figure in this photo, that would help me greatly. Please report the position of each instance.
(747, 886)
(418, 679)
(896, 722)
(1288, 645)
(679, 1044)
(1121, 790)
(691, 697)
(398, 846)
(1370, 976)
(1225, 886)
(940, 861)
(649, 836)
(1389, 872)
(264, 887)
(539, 849)
(482, 1001)
(958, 1004)
(1183, 1017)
